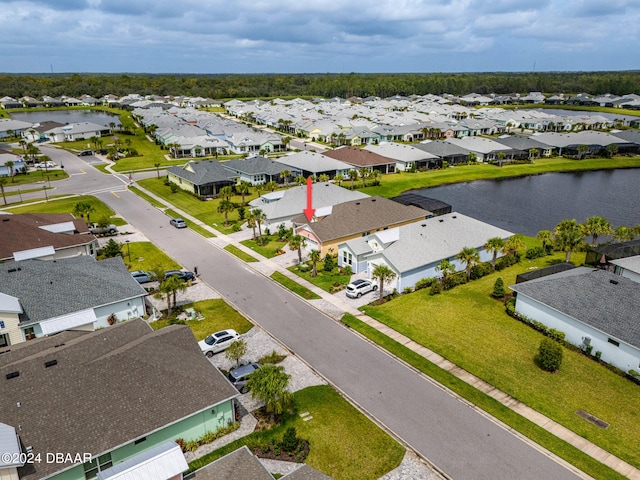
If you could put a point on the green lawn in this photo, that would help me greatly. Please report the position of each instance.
(344, 443)
(193, 226)
(485, 402)
(270, 247)
(67, 204)
(324, 280)
(218, 315)
(469, 328)
(37, 176)
(146, 256)
(245, 257)
(294, 287)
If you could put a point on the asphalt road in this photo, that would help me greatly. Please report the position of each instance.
(454, 436)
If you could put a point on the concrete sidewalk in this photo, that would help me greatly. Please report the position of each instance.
(336, 307)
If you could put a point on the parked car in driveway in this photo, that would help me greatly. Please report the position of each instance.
(103, 230)
(178, 223)
(359, 287)
(46, 164)
(217, 342)
(239, 376)
(141, 276)
(186, 276)
(85, 153)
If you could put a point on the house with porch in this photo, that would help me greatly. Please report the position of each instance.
(407, 157)
(315, 164)
(333, 225)
(77, 293)
(77, 131)
(414, 251)
(204, 178)
(259, 170)
(114, 400)
(361, 158)
(594, 308)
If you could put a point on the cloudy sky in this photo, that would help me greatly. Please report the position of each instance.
(310, 36)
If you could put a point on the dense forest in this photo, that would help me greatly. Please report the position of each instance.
(317, 85)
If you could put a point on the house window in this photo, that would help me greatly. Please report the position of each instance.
(613, 342)
(350, 259)
(4, 340)
(344, 258)
(96, 465)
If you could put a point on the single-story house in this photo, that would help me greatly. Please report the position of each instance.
(282, 205)
(204, 178)
(360, 158)
(77, 131)
(407, 157)
(568, 143)
(104, 398)
(315, 164)
(11, 127)
(17, 166)
(485, 149)
(414, 251)
(79, 293)
(259, 170)
(593, 307)
(526, 145)
(342, 222)
(452, 154)
(628, 267)
(46, 236)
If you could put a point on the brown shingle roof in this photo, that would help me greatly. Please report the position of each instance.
(23, 232)
(359, 216)
(358, 157)
(108, 388)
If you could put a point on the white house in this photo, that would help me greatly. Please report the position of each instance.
(592, 307)
(414, 251)
(628, 267)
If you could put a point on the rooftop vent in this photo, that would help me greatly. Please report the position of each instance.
(615, 282)
(440, 220)
(373, 199)
(454, 216)
(357, 203)
(59, 345)
(50, 363)
(5, 219)
(12, 375)
(423, 225)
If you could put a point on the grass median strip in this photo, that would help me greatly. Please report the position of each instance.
(527, 428)
(245, 257)
(296, 288)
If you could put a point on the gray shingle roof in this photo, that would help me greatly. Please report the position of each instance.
(48, 289)
(255, 165)
(313, 162)
(240, 464)
(204, 172)
(108, 388)
(592, 298)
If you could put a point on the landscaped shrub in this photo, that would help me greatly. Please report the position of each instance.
(290, 440)
(425, 283)
(557, 335)
(535, 252)
(191, 446)
(549, 355)
(598, 355)
(435, 289)
(273, 358)
(480, 270)
(304, 267)
(329, 263)
(407, 290)
(498, 288)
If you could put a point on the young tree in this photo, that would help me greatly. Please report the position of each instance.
(498, 288)
(226, 192)
(513, 244)
(329, 263)
(272, 186)
(494, 245)
(469, 256)
(258, 216)
(546, 237)
(339, 178)
(364, 174)
(157, 165)
(243, 188)
(353, 176)
(623, 234)
(225, 206)
(297, 242)
(501, 156)
(568, 237)
(314, 257)
(384, 274)
(236, 351)
(284, 175)
(549, 355)
(270, 384)
(596, 226)
(446, 268)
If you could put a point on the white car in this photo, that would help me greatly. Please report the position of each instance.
(45, 165)
(359, 287)
(217, 342)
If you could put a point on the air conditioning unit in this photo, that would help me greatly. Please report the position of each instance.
(586, 340)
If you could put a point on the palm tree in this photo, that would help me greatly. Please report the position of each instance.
(446, 268)
(297, 242)
(225, 206)
(285, 174)
(533, 153)
(383, 274)
(494, 245)
(546, 237)
(339, 178)
(258, 216)
(568, 236)
(376, 177)
(259, 188)
(3, 181)
(9, 164)
(81, 209)
(583, 150)
(270, 384)
(469, 256)
(323, 177)
(314, 256)
(226, 192)
(501, 156)
(364, 174)
(300, 180)
(272, 186)
(595, 226)
(157, 165)
(243, 188)
(623, 234)
(513, 244)
(611, 150)
(353, 176)
(32, 151)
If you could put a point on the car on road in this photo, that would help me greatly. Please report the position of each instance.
(96, 229)
(141, 276)
(85, 153)
(218, 342)
(359, 287)
(239, 376)
(46, 164)
(178, 223)
(186, 276)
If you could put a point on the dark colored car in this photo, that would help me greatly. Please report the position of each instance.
(141, 276)
(178, 223)
(186, 276)
(85, 153)
(239, 376)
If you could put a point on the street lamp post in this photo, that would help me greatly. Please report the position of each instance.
(128, 250)
(45, 193)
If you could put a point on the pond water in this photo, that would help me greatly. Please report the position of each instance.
(67, 116)
(529, 204)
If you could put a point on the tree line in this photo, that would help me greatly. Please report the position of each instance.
(227, 86)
